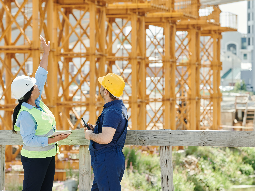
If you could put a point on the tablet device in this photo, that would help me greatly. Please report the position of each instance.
(61, 132)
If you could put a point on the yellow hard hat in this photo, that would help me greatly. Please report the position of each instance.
(113, 83)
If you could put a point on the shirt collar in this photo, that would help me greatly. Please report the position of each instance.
(114, 102)
(27, 105)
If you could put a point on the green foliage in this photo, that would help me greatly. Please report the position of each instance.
(134, 180)
(248, 154)
(240, 86)
(143, 171)
(13, 187)
(191, 150)
(181, 182)
(131, 156)
(198, 169)
(246, 169)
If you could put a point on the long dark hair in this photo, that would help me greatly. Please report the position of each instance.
(25, 98)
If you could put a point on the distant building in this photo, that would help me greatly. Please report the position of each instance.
(250, 39)
(236, 58)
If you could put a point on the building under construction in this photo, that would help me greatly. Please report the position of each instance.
(167, 51)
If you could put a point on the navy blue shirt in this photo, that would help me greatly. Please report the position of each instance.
(113, 116)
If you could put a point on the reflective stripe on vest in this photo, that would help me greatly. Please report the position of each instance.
(47, 148)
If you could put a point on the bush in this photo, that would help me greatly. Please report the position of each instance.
(181, 183)
(198, 169)
(131, 156)
(246, 169)
(248, 154)
(143, 171)
(191, 150)
(240, 86)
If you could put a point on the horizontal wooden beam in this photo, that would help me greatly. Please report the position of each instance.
(197, 23)
(166, 14)
(218, 28)
(158, 138)
(137, 6)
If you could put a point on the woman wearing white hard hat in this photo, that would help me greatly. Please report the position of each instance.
(36, 124)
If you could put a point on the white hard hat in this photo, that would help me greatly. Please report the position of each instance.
(21, 85)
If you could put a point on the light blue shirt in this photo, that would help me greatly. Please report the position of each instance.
(25, 120)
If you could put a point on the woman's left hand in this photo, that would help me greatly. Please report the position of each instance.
(46, 47)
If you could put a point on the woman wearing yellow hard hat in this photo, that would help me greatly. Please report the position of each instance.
(107, 138)
(36, 124)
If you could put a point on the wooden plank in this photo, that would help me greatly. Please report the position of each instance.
(191, 138)
(166, 168)
(84, 169)
(158, 138)
(9, 138)
(76, 138)
(2, 166)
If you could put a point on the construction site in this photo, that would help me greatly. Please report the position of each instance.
(167, 51)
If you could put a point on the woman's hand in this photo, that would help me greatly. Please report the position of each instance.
(58, 138)
(46, 48)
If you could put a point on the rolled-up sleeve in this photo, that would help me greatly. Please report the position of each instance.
(41, 77)
(27, 125)
(112, 118)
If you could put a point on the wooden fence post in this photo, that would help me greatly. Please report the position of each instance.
(166, 168)
(2, 166)
(84, 169)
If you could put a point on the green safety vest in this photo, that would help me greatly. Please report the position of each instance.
(46, 124)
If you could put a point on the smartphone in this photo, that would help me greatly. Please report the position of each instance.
(85, 124)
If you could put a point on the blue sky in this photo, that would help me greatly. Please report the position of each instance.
(239, 8)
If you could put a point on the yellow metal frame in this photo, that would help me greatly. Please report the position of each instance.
(167, 54)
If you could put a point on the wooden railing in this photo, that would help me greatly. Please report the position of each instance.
(163, 138)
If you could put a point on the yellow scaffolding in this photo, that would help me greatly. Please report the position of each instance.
(167, 51)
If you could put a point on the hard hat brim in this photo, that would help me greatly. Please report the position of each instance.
(100, 80)
(33, 81)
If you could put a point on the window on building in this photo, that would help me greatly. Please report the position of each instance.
(249, 4)
(231, 48)
(249, 41)
(245, 56)
(249, 29)
(249, 16)
(244, 43)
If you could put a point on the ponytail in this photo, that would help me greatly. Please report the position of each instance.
(25, 98)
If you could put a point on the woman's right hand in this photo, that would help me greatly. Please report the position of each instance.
(46, 47)
(58, 138)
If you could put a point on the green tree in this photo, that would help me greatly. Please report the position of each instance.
(237, 86)
(240, 86)
(243, 86)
